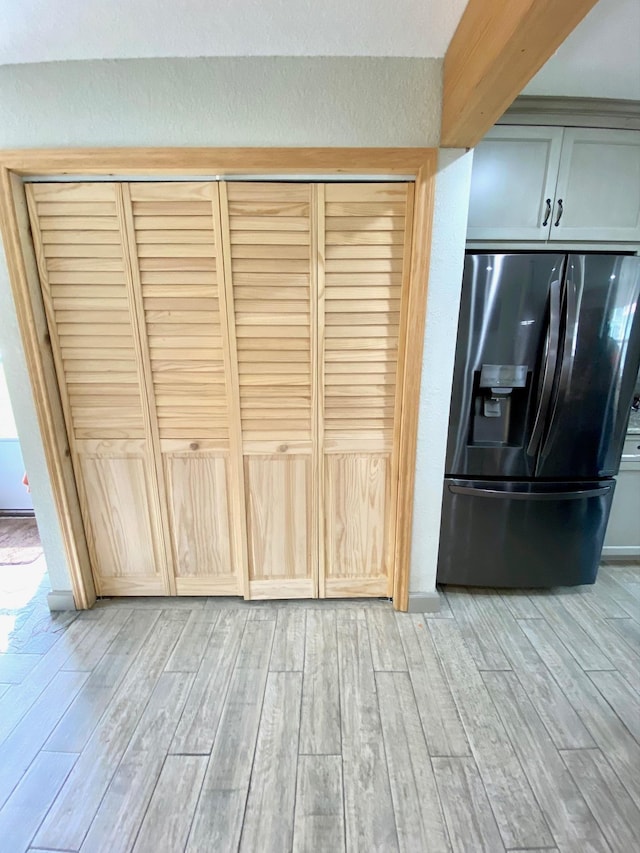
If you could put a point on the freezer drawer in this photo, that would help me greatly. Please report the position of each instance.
(522, 534)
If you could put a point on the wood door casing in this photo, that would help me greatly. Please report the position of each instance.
(366, 249)
(78, 235)
(177, 246)
(269, 261)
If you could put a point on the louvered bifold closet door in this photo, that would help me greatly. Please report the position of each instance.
(79, 235)
(272, 258)
(366, 250)
(177, 256)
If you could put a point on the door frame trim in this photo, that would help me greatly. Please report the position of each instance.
(417, 164)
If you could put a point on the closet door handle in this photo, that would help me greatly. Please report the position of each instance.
(547, 212)
(560, 212)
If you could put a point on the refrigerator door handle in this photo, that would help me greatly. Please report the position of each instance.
(568, 354)
(550, 364)
(577, 494)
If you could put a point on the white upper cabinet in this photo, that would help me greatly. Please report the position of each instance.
(514, 173)
(555, 184)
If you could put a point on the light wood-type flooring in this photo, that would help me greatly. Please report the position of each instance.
(506, 721)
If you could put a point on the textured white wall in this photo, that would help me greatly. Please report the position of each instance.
(356, 101)
(443, 300)
(260, 102)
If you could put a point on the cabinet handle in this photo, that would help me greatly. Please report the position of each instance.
(194, 445)
(547, 212)
(560, 212)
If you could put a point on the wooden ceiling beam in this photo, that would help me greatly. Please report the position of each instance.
(497, 48)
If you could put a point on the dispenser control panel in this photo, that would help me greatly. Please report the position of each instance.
(505, 376)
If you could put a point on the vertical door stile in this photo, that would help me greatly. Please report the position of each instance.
(317, 331)
(158, 499)
(227, 311)
(316, 253)
(397, 414)
(57, 359)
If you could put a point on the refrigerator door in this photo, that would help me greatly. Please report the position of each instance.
(522, 534)
(508, 336)
(599, 358)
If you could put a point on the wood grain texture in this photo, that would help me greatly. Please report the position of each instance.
(565, 810)
(319, 817)
(518, 815)
(215, 161)
(320, 713)
(605, 795)
(495, 51)
(200, 516)
(470, 821)
(412, 340)
(168, 818)
(218, 819)
(369, 817)
(441, 722)
(278, 517)
(268, 818)
(413, 788)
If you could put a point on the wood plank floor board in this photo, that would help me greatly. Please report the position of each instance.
(560, 718)
(470, 820)
(624, 700)
(20, 697)
(386, 648)
(217, 823)
(441, 723)
(624, 659)
(369, 816)
(558, 613)
(609, 587)
(83, 714)
(269, 815)
(613, 808)
(287, 654)
(125, 801)
(629, 630)
(605, 727)
(28, 804)
(190, 648)
(28, 737)
(319, 810)
(566, 812)
(168, 819)
(65, 825)
(198, 724)
(517, 813)
(15, 667)
(320, 716)
(86, 657)
(520, 604)
(477, 631)
(419, 819)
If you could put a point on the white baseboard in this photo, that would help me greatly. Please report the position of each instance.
(59, 599)
(424, 602)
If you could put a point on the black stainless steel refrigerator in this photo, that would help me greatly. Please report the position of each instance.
(546, 361)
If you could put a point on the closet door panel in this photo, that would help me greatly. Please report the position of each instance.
(269, 254)
(119, 527)
(366, 256)
(201, 538)
(80, 242)
(181, 280)
(279, 525)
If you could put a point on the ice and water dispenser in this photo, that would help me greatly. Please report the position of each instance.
(500, 405)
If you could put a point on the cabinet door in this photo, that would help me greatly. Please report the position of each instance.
(598, 186)
(513, 183)
(270, 240)
(79, 235)
(366, 246)
(178, 271)
(623, 531)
